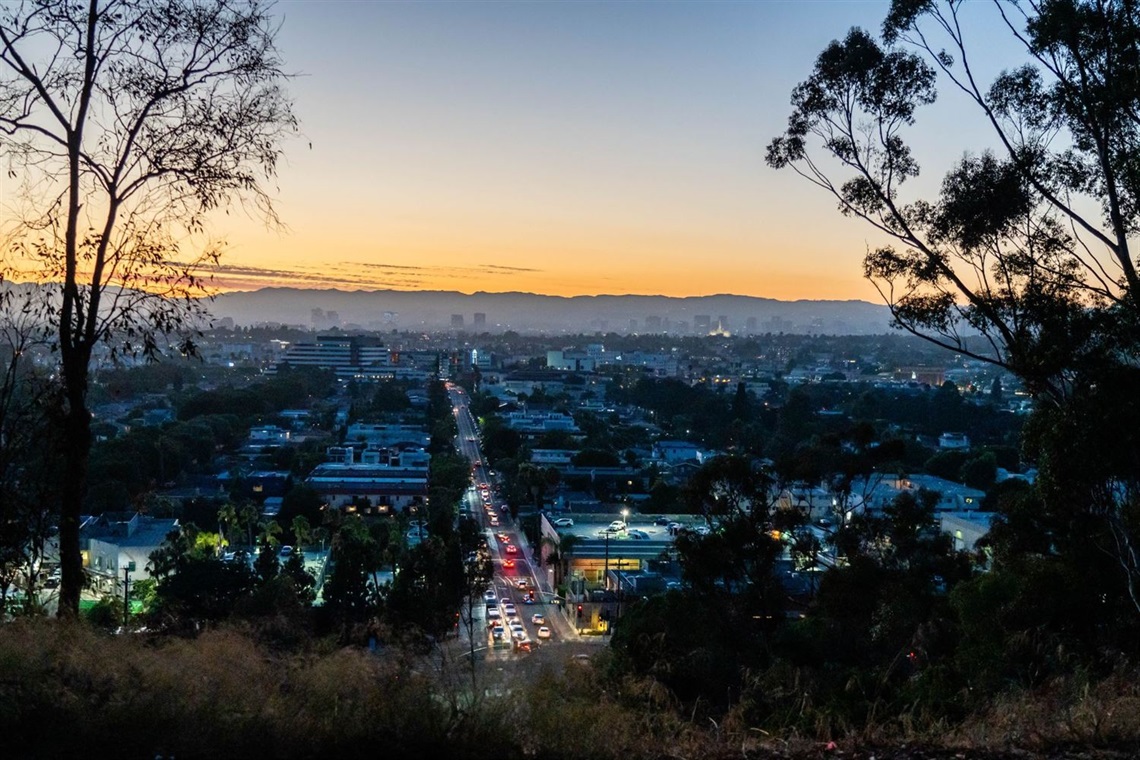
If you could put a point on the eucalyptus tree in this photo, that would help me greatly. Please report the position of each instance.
(28, 479)
(126, 123)
(1023, 258)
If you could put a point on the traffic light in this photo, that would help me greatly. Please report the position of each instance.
(579, 610)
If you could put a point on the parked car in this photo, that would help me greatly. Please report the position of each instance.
(616, 525)
(638, 534)
(563, 522)
(286, 551)
(661, 521)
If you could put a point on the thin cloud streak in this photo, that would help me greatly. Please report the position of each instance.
(355, 276)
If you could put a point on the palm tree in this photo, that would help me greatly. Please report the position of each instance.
(248, 517)
(302, 531)
(270, 532)
(228, 520)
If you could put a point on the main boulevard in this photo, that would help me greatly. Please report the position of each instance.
(520, 589)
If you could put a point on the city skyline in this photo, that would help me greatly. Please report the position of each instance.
(554, 148)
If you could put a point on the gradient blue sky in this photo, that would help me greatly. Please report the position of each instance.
(558, 147)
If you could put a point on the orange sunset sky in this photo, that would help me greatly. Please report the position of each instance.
(565, 148)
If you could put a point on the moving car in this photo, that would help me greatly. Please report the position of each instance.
(563, 522)
(508, 563)
(512, 549)
(538, 618)
(543, 632)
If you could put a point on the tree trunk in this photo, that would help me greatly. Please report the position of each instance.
(76, 453)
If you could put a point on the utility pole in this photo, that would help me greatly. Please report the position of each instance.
(127, 592)
(606, 572)
(621, 561)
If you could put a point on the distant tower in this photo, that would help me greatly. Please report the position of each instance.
(480, 319)
(750, 326)
(702, 324)
(722, 323)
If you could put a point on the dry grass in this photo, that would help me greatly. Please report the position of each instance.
(67, 690)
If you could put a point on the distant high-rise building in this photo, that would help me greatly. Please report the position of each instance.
(323, 320)
(457, 321)
(480, 319)
(722, 323)
(779, 325)
(702, 324)
(633, 325)
(653, 324)
(348, 355)
(750, 325)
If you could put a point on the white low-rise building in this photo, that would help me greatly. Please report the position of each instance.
(119, 541)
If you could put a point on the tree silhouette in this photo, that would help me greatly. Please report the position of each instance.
(128, 121)
(1024, 258)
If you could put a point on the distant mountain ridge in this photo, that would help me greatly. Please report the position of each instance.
(531, 313)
